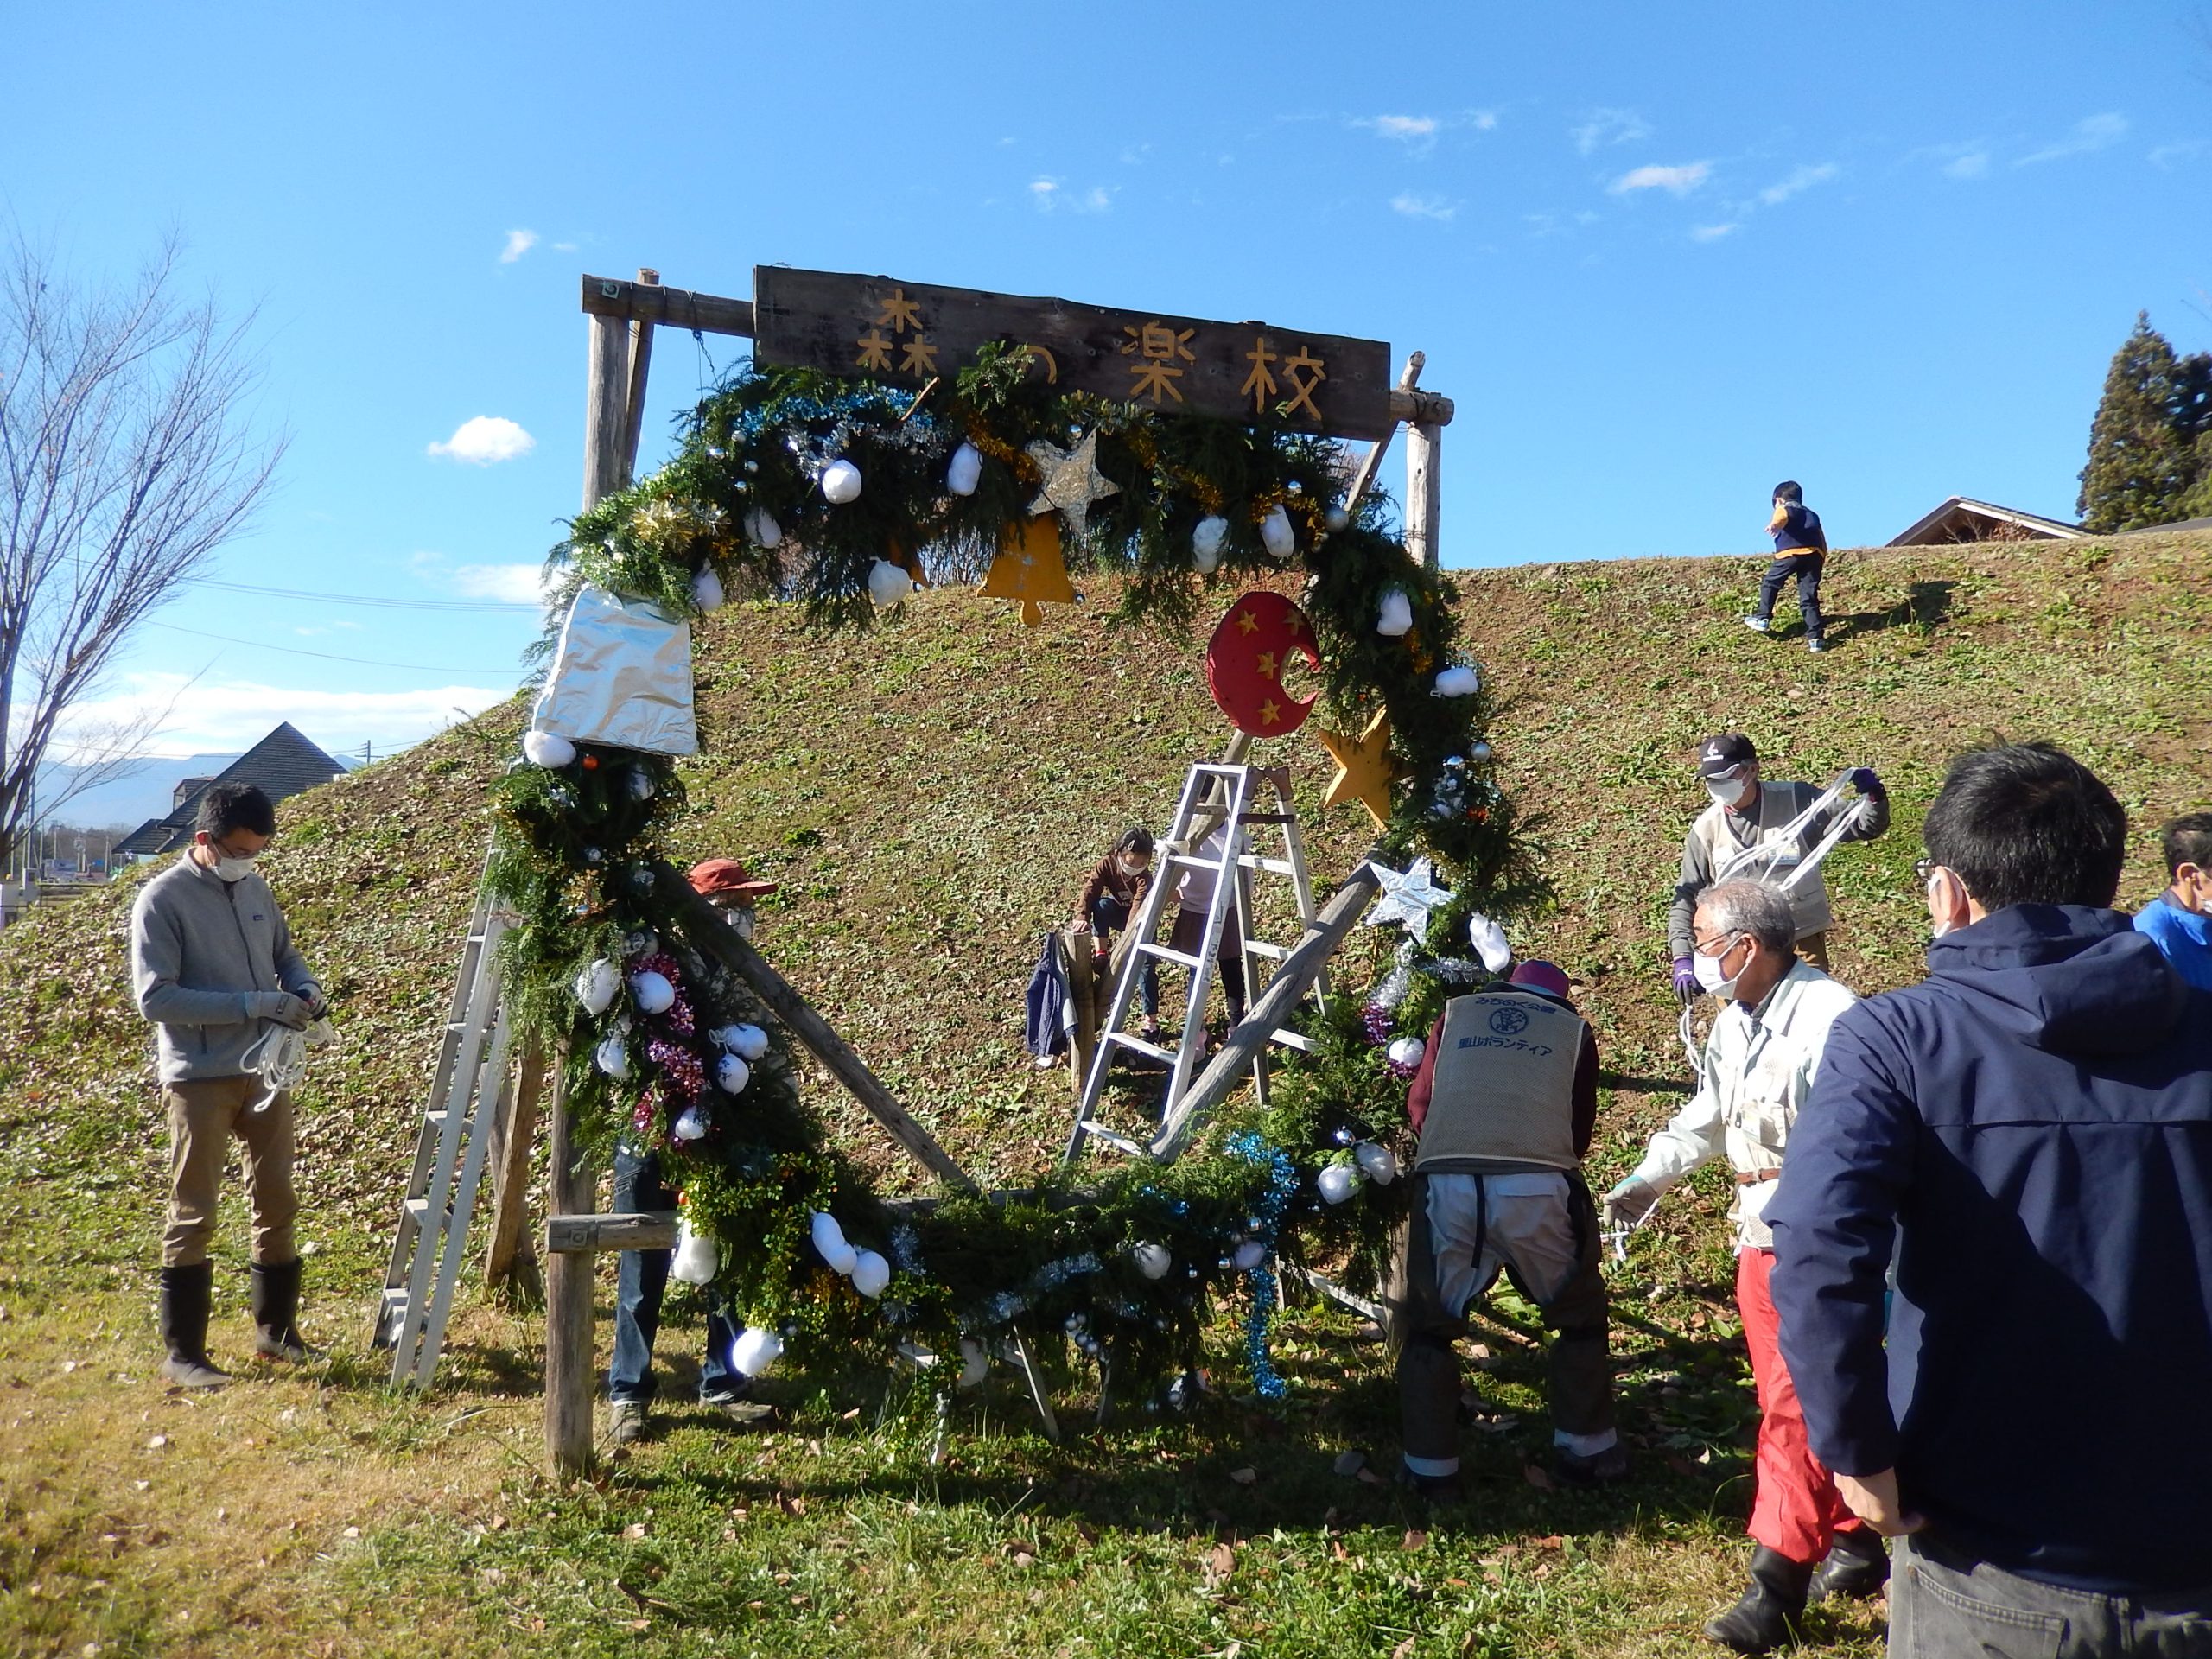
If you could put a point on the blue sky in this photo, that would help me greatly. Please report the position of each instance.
(1661, 256)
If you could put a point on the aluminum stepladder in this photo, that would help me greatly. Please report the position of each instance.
(466, 1093)
(1215, 794)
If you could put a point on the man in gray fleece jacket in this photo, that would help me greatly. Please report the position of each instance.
(214, 970)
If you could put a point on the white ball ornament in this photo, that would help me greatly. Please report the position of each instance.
(747, 1041)
(829, 1243)
(651, 992)
(1379, 1163)
(691, 1126)
(696, 1258)
(965, 470)
(1458, 682)
(888, 584)
(1207, 539)
(755, 1351)
(613, 1058)
(1478, 752)
(1336, 517)
(871, 1275)
(1249, 1255)
(707, 592)
(544, 749)
(1395, 616)
(732, 1073)
(1337, 1182)
(974, 1364)
(1276, 535)
(841, 483)
(598, 986)
(762, 530)
(1407, 1050)
(1153, 1260)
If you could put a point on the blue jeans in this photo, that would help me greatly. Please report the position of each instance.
(1109, 915)
(641, 1281)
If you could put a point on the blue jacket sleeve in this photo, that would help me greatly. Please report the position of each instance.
(1834, 1214)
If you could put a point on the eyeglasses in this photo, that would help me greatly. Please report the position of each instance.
(1923, 870)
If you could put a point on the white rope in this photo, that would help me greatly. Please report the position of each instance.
(279, 1057)
(1758, 862)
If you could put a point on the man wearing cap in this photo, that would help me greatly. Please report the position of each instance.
(641, 1277)
(1505, 1103)
(1746, 813)
(1758, 1068)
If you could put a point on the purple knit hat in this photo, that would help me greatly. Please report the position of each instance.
(1543, 976)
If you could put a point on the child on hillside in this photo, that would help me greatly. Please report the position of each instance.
(1800, 547)
(1109, 903)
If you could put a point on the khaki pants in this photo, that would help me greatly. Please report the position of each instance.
(204, 1114)
(1814, 948)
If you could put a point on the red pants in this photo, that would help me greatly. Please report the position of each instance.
(1795, 1508)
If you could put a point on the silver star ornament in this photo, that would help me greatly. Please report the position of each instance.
(1408, 899)
(1072, 480)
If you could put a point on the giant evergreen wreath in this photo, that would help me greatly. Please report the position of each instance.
(667, 1048)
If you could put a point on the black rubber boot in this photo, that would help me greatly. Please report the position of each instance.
(276, 1292)
(1857, 1567)
(186, 1292)
(1766, 1618)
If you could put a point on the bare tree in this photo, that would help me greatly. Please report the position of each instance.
(126, 459)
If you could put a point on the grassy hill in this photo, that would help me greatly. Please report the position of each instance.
(930, 795)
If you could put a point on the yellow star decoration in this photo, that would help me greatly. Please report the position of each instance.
(1270, 712)
(1071, 479)
(1247, 623)
(1028, 568)
(1266, 663)
(1363, 768)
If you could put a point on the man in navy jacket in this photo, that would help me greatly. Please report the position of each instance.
(2031, 1129)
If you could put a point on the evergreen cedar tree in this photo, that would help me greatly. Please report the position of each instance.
(2151, 444)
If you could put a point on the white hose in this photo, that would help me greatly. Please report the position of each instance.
(279, 1057)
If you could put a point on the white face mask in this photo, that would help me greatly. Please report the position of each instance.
(234, 869)
(1708, 972)
(1726, 791)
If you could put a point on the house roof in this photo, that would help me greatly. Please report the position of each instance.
(1964, 512)
(282, 765)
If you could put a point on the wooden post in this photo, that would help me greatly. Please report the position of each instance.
(569, 1278)
(569, 1281)
(1293, 979)
(1424, 504)
(711, 933)
(509, 1259)
(1371, 462)
(634, 402)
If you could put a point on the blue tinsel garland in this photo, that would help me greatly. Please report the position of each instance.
(1282, 1187)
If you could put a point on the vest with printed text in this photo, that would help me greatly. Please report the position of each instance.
(1503, 1088)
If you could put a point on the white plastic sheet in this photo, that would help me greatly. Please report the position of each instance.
(622, 676)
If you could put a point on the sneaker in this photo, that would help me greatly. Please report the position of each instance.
(1437, 1489)
(1816, 644)
(745, 1413)
(1149, 1031)
(1757, 624)
(1598, 1469)
(625, 1421)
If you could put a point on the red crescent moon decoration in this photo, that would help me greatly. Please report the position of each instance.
(1245, 660)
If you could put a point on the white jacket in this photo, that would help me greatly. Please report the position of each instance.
(1756, 1075)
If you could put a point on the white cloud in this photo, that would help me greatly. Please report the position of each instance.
(219, 717)
(484, 440)
(1052, 196)
(1414, 207)
(518, 244)
(2187, 150)
(1972, 165)
(1675, 181)
(1409, 127)
(2091, 133)
(564, 247)
(1712, 232)
(509, 584)
(1603, 127)
(1801, 179)
(1483, 120)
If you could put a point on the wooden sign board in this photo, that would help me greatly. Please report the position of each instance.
(900, 331)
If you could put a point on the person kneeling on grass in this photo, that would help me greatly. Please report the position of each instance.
(215, 971)
(1758, 1069)
(1503, 1103)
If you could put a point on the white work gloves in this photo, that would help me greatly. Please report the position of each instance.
(1627, 1204)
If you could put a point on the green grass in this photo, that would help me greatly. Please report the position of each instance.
(928, 795)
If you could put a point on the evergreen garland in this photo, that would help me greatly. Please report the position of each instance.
(579, 863)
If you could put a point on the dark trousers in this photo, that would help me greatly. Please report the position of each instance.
(1806, 567)
(1108, 915)
(1581, 1382)
(1943, 1603)
(641, 1281)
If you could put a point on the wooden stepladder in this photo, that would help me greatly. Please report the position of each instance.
(456, 1131)
(1212, 837)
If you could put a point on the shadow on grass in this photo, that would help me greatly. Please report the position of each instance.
(1926, 605)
